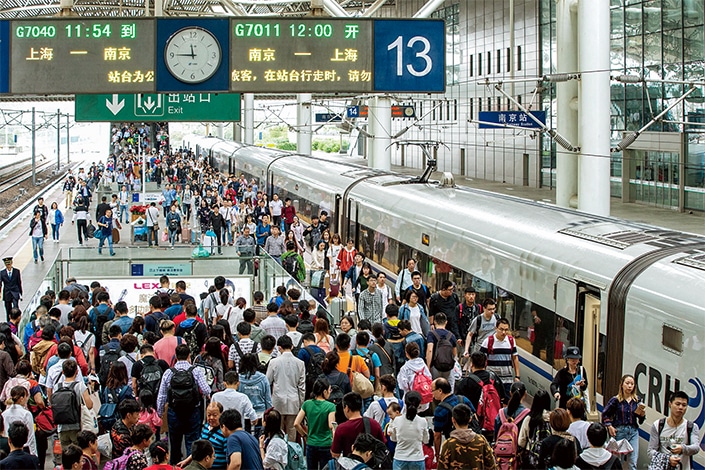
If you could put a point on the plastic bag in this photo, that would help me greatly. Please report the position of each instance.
(165, 236)
(200, 252)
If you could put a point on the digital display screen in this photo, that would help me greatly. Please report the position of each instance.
(79, 55)
(302, 55)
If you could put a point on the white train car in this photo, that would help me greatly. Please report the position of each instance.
(629, 295)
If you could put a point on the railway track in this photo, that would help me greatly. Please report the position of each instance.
(22, 176)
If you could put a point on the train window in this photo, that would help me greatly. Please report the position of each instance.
(672, 339)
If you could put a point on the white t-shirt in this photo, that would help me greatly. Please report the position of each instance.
(409, 436)
(374, 411)
(276, 207)
(675, 436)
(84, 340)
(415, 319)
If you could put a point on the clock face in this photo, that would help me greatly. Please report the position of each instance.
(192, 55)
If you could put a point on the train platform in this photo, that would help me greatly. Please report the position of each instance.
(692, 222)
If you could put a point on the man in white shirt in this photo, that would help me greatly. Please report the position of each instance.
(231, 399)
(55, 374)
(388, 385)
(404, 279)
(675, 436)
(63, 304)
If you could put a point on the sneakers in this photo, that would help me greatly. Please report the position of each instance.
(42, 258)
(35, 261)
(112, 254)
(172, 247)
(100, 252)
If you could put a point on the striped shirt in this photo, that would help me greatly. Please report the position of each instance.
(500, 360)
(166, 383)
(219, 442)
(247, 346)
(274, 326)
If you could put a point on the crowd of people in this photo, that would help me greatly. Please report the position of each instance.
(225, 383)
(412, 379)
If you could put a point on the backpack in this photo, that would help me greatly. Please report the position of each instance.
(448, 427)
(387, 366)
(313, 367)
(100, 320)
(506, 446)
(208, 373)
(111, 355)
(189, 336)
(490, 343)
(65, 406)
(367, 358)
(333, 464)
(36, 337)
(533, 445)
(295, 456)
(183, 392)
(336, 393)
(422, 384)
(173, 223)
(688, 432)
(297, 348)
(151, 376)
(108, 413)
(478, 325)
(120, 463)
(443, 359)
(291, 265)
(489, 405)
(381, 457)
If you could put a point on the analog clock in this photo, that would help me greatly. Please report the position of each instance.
(192, 55)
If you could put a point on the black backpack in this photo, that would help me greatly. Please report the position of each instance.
(443, 359)
(151, 376)
(385, 358)
(111, 355)
(368, 360)
(533, 445)
(313, 366)
(65, 406)
(291, 265)
(101, 320)
(336, 393)
(189, 336)
(381, 457)
(174, 223)
(183, 392)
(297, 348)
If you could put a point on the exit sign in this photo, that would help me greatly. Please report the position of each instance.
(185, 107)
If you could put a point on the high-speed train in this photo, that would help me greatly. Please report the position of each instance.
(631, 296)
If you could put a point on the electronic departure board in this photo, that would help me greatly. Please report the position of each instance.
(300, 55)
(81, 55)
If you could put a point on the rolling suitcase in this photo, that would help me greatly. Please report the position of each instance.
(337, 307)
(186, 235)
(116, 235)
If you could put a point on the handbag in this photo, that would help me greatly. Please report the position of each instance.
(88, 420)
(360, 384)
(659, 461)
(45, 421)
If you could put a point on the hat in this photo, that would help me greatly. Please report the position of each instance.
(7, 260)
(573, 352)
(470, 290)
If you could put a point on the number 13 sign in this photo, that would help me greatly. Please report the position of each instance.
(409, 55)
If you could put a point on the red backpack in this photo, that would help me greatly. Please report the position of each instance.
(506, 446)
(422, 384)
(489, 405)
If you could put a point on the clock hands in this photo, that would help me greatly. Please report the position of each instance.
(191, 55)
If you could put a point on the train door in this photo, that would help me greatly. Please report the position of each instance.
(336, 219)
(578, 324)
(351, 224)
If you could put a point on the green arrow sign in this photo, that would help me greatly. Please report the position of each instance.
(187, 107)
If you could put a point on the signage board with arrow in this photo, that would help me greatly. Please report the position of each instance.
(186, 107)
